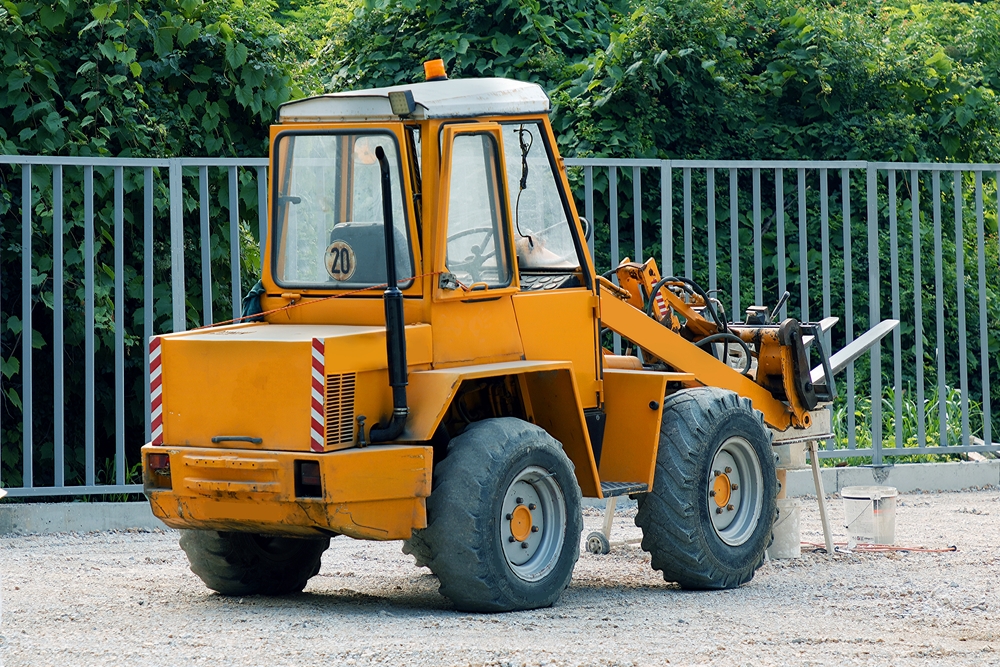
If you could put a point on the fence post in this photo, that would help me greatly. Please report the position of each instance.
(873, 312)
(26, 333)
(177, 291)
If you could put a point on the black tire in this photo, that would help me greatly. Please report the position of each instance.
(700, 428)
(247, 563)
(418, 548)
(494, 472)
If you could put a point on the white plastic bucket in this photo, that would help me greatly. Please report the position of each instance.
(870, 514)
(787, 530)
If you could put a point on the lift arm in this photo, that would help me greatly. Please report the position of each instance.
(686, 357)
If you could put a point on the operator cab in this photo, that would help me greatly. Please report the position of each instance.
(509, 198)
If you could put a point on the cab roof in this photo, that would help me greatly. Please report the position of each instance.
(453, 98)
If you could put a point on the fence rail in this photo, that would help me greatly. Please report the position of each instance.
(824, 233)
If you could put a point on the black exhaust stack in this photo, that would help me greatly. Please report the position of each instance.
(395, 336)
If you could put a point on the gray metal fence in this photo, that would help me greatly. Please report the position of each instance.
(802, 237)
(37, 174)
(795, 225)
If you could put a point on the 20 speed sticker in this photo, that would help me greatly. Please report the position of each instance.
(340, 261)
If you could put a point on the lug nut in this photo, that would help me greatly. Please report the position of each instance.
(509, 516)
(718, 510)
(524, 545)
(728, 470)
(532, 506)
(534, 529)
(716, 473)
(519, 501)
(730, 508)
(736, 487)
(510, 538)
(711, 494)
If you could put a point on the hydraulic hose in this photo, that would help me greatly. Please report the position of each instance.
(693, 287)
(728, 336)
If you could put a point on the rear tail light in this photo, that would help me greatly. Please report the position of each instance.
(308, 481)
(158, 471)
(159, 463)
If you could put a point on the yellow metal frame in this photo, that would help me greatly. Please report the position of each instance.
(375, 493)
(551, 399)
(633, 405)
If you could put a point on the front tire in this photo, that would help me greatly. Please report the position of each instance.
(247, 563)
(504, 519)
(707, 521)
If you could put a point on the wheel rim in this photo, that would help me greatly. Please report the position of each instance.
(735, 491)
(532, 523)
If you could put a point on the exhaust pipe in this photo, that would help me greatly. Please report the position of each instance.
(395, 335)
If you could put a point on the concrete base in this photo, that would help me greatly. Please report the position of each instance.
(905, 477)
(24, 518)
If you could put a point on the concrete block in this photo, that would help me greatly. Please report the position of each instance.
(44, 518)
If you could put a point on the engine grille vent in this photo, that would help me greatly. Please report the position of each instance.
(340, 409)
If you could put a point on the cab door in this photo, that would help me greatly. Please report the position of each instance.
(556, 306)
(473, 312)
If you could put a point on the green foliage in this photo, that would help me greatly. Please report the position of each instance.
(534, 40)
(166, 78)
(162, 79)
(858, 80)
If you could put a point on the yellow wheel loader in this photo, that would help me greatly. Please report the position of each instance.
(426, 364)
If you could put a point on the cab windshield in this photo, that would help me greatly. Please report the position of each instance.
(329, 230)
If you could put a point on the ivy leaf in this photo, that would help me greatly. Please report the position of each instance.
(236, 54)
(187, 34)
(243, 95)
(10, 366)
(163, 43)
(107, 49)
(52, 18)
(202, 74)
(136, 69)
(14, 398)
(102, 12)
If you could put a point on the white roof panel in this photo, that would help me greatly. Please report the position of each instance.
(453, 98)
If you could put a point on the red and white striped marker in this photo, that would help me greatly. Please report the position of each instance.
(661, 304)
(155, 392)
(318, 413)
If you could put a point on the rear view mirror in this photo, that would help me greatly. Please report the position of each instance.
(588, 229)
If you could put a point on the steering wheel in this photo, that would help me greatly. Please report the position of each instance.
(473, 264)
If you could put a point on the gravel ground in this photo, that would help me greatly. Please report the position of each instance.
(120, 598)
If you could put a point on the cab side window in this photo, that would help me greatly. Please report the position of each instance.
(476, 249)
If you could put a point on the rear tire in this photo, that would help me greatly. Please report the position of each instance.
(504, 519)
(247, 563)
(706, 530)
